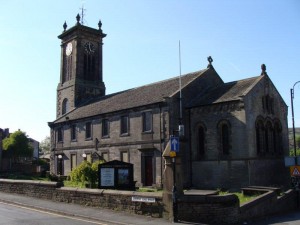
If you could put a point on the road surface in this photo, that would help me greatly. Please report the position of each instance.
(12, 214)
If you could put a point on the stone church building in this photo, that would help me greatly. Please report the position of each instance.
(235, 134)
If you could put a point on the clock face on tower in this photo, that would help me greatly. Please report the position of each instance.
(69, 49)
(89, 48)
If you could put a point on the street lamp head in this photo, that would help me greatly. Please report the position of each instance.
(84, 155)
(292, 90)
(295, 84)
(59, 156)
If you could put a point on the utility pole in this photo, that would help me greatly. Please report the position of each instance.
(293, 119)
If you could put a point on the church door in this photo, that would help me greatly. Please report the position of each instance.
(148, 170)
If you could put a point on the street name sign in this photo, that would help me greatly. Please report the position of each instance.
(142, 199)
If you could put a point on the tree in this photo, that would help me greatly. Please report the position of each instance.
(298, 142)
(17, 145)
(86, 172)
(45, 145)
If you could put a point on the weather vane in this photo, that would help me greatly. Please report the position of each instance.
(82, 13)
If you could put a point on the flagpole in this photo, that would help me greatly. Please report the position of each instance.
(180, 93)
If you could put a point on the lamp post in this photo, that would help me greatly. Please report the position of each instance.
(293, 120)
(59, 164)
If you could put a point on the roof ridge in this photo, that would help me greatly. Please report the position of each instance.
(134, 97)
(249, 78)
(169, 79)
(256, 78)
(200, 72)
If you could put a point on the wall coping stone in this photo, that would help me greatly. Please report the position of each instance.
(258, 200)
(113, 192)
(209, 198)
(35, 182)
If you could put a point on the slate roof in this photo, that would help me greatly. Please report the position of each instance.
(225, 92)
(136, 97)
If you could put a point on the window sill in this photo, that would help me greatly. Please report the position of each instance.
(148, 132)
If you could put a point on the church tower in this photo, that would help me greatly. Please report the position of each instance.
(81, 71)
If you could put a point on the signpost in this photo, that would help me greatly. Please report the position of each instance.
(174, 144)
(174, 141)
(172, 154)
(295, 171)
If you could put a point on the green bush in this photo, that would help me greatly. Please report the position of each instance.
(292, 152)
(85, 173)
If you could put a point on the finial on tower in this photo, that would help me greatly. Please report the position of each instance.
(65, 26)
(210, 60)
(100, 24)
(78, 18)
(263, 69)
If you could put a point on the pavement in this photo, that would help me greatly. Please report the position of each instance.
(69, 209)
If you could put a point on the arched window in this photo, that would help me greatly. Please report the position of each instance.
(67, 73)
(65, 106)
(268, 104)
(201, 141)
(69, 68)
(89, 67)
(60, 134)
(277, 137)
(260, 141)
(225, 136)
(269, 137)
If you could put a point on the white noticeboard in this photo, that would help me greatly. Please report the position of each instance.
(107, 177)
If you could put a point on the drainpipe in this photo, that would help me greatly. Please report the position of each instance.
(190, 149)
(161, 151)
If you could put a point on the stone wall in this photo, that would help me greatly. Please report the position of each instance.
(212, 209)
(269, 203)
(110, 199)
(36, 189)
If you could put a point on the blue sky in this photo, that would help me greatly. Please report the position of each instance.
(141, 47)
